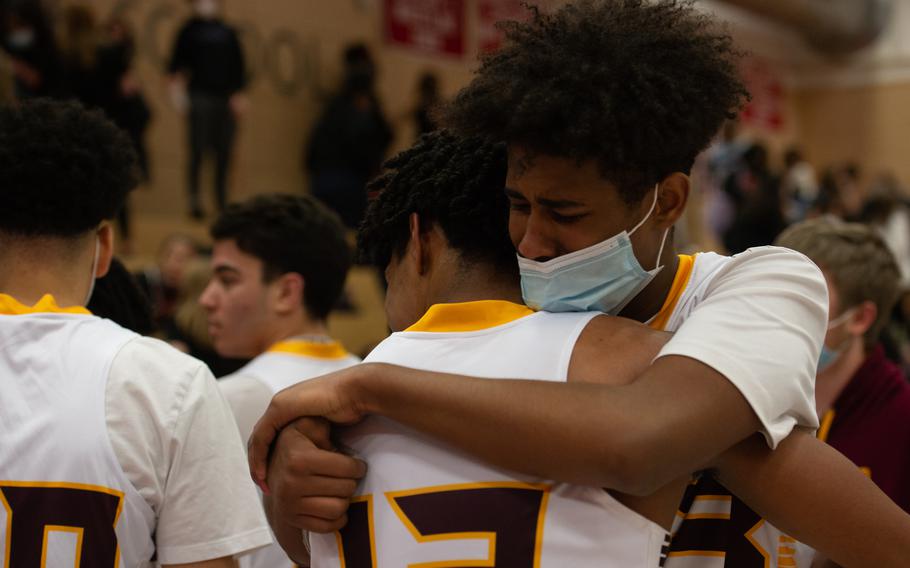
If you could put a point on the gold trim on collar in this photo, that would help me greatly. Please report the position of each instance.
(47, 304)
(470, 316)
(680, 281)
(331, 350)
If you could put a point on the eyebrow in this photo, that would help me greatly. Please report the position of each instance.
(550, 203)
(223, 268)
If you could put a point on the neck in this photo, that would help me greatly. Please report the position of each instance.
(33, 269)
(831, 382)
(478, 282)
(296, 327)
(650, 300)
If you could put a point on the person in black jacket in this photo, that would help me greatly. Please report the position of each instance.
(208, 59)
(349, 141)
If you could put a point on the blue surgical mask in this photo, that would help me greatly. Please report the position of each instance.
(828, 356)
(603, 277)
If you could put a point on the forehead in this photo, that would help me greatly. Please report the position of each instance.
(226, 254)
(555, 177)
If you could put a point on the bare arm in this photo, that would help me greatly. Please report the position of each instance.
(632, 438)
(809, 490)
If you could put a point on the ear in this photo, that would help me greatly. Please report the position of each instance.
(288, 293)
(672, 197)
(105, 235)
(864, 318)
(418, 245)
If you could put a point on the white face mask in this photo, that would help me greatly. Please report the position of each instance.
(828, 356)
(603, 277)
(91, 284)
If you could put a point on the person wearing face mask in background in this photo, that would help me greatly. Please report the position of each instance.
(863, 398)
(27, 37)
(207, 77)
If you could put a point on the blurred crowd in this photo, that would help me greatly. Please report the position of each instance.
(748, 202)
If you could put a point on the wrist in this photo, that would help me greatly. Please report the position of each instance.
(364, 387)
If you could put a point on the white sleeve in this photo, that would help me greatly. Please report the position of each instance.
(177, 442)
(761, 324)
(248, 398)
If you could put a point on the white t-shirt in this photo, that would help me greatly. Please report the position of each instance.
(759, 319)
(171, 434)
(175, 438)
(251, 388)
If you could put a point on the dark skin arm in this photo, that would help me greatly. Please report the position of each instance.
(306, 473)
(804, 484)
(652, 440)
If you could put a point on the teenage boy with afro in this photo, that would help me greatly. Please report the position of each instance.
(604, 106)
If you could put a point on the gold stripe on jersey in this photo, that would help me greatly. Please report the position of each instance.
(825, 428)
(47, 304)
(680, 281)
(470, 316)
(79, 532)
(312, 349)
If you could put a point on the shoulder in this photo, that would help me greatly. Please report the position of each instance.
(771, 263)
(614, 350)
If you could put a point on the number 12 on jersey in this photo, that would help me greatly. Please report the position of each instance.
(508, 515)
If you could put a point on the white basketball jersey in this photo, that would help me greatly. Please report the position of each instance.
(285, 364)
(424, 503)
(65, 498)
(292, 361)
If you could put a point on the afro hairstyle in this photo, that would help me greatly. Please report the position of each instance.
(453, 182)
(637, 86)
(291, 233)
(65, 169)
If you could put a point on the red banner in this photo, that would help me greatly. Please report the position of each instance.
(435, 27)
(766, 109)
(491, 11)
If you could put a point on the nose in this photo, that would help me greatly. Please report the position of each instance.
(208, 297)
(537, 242)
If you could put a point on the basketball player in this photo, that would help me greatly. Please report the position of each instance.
(442, 234)
(279, 265)
(604, 106)
(116, 448)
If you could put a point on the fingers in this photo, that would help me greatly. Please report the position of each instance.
(276, 416)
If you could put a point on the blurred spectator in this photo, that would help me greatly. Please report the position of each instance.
(428, 100)
(117, 297)
(754, 192)
(208, 62)
(27, 37)
(840, 194)
(799, 185)
(79, 42)
(715, 166)
(862, 397)
(349, 141)
(161, 282)
(886, 212)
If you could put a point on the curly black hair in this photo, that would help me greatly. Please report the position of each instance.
(291, 233)
(456, 183)
(638, 86)
(64, 169)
